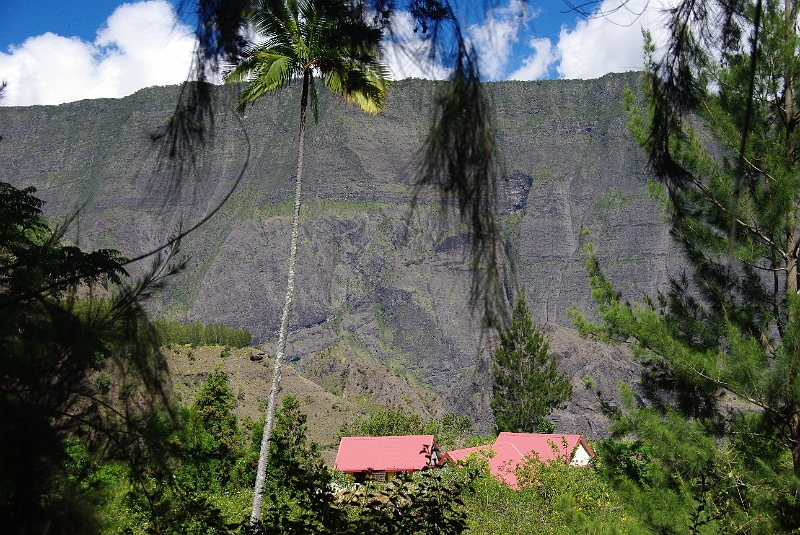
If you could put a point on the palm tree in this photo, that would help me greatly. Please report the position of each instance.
(300, 40)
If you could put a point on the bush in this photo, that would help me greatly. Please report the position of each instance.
(451, 430)
(553, 498)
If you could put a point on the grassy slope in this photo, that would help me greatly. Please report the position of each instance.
(364, 387)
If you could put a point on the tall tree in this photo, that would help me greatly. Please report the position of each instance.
(74, 367)
(303, 39)
(527, 385)
(722, 346)
(459, 157)
(302, 500)
(210, 433)
(737, 216)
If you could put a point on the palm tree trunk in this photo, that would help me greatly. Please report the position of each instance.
(263, 458)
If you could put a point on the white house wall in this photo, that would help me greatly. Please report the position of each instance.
(580, 457)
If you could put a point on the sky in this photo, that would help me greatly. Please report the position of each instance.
(56, 51)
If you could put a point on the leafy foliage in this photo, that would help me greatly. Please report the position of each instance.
(430, 501)
(73, 367)
(187, 477)
(386, 423)
(300, 497)
(526, 382)
(451, 430)
(190, 481)
(553, 498)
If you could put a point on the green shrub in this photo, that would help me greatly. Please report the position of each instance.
(451, 430)
(552, 498)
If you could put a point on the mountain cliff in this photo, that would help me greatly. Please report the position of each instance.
(377, 282)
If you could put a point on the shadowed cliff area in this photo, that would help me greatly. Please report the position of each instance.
(376, 282)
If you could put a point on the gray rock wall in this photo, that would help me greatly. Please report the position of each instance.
(390, 280)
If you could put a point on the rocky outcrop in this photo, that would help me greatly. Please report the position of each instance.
(373, 272)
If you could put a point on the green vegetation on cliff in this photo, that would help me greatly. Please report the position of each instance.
(197, 334)
(362, 248)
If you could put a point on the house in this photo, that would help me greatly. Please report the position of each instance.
(511, 448)
(380, 458)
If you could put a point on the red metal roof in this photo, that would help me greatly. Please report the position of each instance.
(541, 444)
(392, 454)
(460, 455)
(510, 448)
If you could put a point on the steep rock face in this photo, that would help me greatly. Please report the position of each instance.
(370, 269)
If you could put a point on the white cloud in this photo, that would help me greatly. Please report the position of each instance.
(537, 64)
(494, 38)
(611, 42)
(141, 44)
(406, 54)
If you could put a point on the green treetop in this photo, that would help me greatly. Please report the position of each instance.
(527, 383)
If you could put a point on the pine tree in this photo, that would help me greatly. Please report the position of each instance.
(216, 425)
(527, 383)
(721, 347)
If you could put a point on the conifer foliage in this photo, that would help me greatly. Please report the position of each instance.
(720, 347)
(527, 383)
(77, 372)
(197, 334)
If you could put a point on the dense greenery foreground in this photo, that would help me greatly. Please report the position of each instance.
(206, 485)
(92, 441)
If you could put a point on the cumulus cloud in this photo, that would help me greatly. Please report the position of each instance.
(406, 53)
(141, 44)
(495, 38)
(609, 41)
(538, 64)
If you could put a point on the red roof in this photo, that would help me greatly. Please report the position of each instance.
(511, 448)
(541, 444)
(460, 455)
(392, 454)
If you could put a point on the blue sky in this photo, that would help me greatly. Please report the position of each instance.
(54, 51)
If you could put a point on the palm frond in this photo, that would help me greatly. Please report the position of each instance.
(264, 70)
(358, 83)
(301, 34)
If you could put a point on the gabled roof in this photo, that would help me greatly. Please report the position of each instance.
(543, 444)
(503, 459)
(511, 448)
(392, 454)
